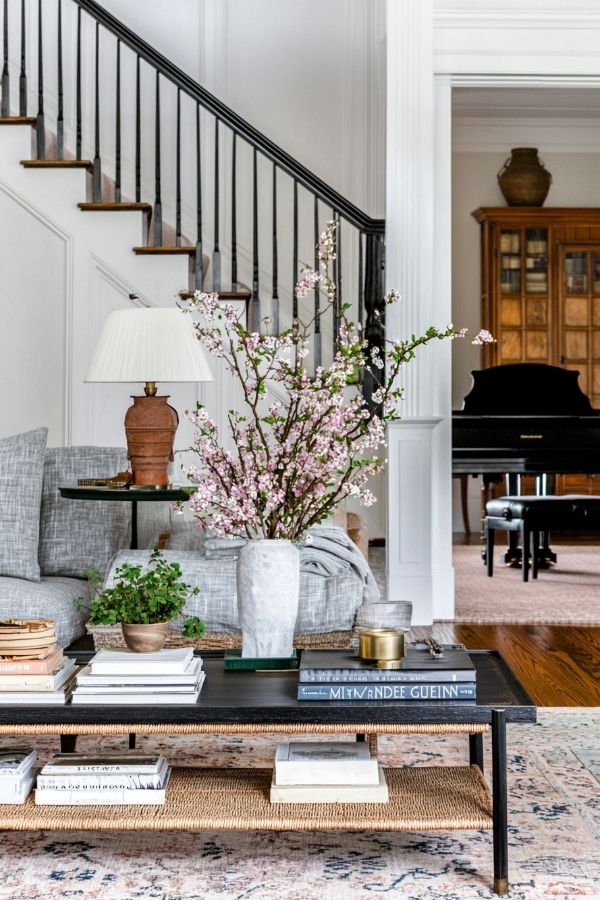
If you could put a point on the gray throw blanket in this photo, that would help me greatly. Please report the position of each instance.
(326, 551)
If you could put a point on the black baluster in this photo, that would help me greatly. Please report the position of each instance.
(361, 286)
(40, 127)
(275, 291)
(234, 277)
(255, 315)
(60, 120)
(138, 134)
(338, 253)
(374, 308)
(199, 250)
(23, 74)
(5, 108)
(97, 167)
(216, 258)
(157, 187)
(295, 254)
(78, 87)
(178, 174)
(317, 332)
(118, 128)
(334, 278)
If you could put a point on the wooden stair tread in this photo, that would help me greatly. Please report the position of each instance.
(17, 120)
(165, 250)
(56, 163)
(238, 291)
(116, 206)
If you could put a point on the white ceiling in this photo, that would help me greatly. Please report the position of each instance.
(526, 103)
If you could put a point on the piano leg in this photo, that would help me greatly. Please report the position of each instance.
(544, 485)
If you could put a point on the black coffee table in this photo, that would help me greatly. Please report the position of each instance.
(421, 798)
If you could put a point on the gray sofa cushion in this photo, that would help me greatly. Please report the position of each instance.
(21, 474)
(49, 598)
(326, 604)
(78, 534)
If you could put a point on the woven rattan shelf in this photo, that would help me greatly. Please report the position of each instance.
(421, 798)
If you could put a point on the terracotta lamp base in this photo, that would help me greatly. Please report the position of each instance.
(150, 426)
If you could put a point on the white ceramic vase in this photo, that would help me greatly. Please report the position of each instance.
(268, 589)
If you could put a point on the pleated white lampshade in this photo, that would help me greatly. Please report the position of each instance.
(148, 344)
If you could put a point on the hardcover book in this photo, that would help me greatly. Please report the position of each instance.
(188, 677)
(374, 692)
(49, 662)
(14, 762)
(322, 762)
(50, 682)
(331, 793)
(417, 665)
(126, 662)
(110, 763)
(118, 797)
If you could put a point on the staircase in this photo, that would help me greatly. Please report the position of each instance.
(149, 185)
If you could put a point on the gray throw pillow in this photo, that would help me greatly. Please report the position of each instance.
(21, 475)
(77, 535)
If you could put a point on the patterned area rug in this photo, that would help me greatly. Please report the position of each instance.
(565, 594)
(554, 839)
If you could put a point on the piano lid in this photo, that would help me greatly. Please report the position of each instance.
(526, 389)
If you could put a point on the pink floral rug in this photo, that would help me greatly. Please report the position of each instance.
(554, 836)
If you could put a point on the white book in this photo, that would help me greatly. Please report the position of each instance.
(154, 698)
(20, 792)
(34, 683)
(156, 690)
(15, 762)
(126, 662)
(120, 797)
(105, 763)
(189, 676)
(331, 793)
(104, 781)
(328, 763)
(37, 698)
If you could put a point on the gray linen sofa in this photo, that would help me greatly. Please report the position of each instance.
(49, 542)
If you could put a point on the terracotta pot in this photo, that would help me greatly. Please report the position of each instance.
(523, 179)
(145, 638)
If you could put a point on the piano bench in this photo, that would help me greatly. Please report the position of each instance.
(531, 516)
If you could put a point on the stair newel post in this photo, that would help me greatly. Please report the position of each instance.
(295, 253)
(178, 173)
(157, 217)
(23, 73)
(97, 167)
(5, 108)
(374, 307)
(118, 127)
(60, 120)
(216, 257)
(255, 303)
(199, 250)
(40, 127)
(234, 276)
(317, 297)
(275, 291)
(138, 134)
(78, 88)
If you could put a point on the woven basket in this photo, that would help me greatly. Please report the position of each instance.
(110, 637)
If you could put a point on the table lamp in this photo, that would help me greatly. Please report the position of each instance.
(149, 344)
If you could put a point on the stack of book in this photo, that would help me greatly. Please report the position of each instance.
(33, 669)
(327, 772)
(340, 675)
(166, 677)
(112, 778)
(17, 772)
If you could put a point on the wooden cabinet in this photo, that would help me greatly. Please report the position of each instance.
(540, 289)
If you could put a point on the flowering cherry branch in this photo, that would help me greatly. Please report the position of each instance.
(298, 457)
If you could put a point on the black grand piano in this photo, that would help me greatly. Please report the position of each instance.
(525, 419)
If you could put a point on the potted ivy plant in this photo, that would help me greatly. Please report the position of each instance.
(144, 602)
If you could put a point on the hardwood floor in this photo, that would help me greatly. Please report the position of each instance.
(558, 664)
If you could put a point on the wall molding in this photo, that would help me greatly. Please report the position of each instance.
(481, 134)
(67, 241)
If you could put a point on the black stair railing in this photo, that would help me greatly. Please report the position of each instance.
(267, 208)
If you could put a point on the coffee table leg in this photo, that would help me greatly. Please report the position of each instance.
(132, 741)
(68, 742)
(499, 814)
(476, 750)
